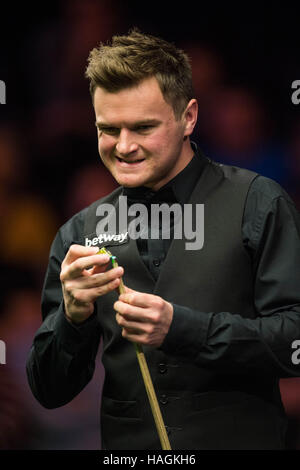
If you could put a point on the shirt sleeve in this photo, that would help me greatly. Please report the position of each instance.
(229, 342)
(62, 358)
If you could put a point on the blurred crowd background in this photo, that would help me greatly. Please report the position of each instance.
(244, 61)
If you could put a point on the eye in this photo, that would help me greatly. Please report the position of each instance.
(109, 130)
(145, 128)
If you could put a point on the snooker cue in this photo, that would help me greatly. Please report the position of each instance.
(160, 426)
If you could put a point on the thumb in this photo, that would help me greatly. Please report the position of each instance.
(128, 290)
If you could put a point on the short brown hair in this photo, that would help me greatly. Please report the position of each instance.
(127, 60)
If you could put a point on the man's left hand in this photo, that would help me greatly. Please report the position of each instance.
(144, 318)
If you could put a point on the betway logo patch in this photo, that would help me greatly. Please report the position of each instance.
(106, 237)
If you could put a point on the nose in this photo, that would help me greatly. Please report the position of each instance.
(126, 143)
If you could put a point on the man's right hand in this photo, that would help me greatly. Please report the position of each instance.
(84, 278)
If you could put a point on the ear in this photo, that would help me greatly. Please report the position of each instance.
(190, 116)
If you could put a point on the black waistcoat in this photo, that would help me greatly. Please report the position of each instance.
(203, 408)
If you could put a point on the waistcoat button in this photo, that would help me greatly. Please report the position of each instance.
(163, 399)
(162, 368)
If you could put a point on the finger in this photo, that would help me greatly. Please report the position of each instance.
(84, 296)
(78, 266)
(95, 280)
(139, 299)
(96, 269)
(77, 251)
(128, 290)
(131, 312)
(133, 337)
(132, 326)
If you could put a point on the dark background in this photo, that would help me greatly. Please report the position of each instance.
(245, 58)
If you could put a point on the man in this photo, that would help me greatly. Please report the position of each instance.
(217, 323)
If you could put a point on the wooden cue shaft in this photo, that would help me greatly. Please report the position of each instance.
(159, 422)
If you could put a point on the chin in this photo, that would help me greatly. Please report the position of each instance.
(128, 183)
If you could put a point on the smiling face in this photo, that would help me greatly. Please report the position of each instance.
(139, 139)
